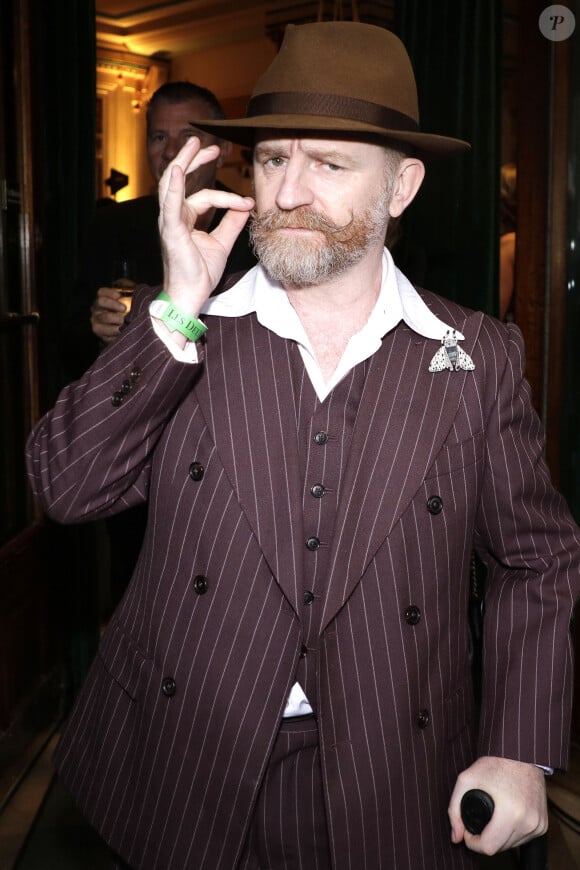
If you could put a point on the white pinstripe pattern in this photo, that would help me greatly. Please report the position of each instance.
(171, 782)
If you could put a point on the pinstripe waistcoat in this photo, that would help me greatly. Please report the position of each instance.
(170, 737)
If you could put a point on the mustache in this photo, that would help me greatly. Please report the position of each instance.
(302, 218)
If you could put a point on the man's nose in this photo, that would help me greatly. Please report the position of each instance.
(171, 148)
(294, 189)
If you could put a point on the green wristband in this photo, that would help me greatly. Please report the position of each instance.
(163, 309)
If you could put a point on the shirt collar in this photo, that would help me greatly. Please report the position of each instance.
(398, 300)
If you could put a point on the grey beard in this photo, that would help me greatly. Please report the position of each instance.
(304, 264)
(315, 260)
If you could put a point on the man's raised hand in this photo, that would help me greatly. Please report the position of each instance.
(194, 260)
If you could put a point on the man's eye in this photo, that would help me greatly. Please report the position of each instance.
(332, 167)
(274, 161)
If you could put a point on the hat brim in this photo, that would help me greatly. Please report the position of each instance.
(244, 132)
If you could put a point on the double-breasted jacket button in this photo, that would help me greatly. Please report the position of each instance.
(317, 490)
(308, 597)
(196, 471)
(434, 504)
(117, 399)
(320, 438)
(200, 584)
(303, 650)
(412, 614)
(126, 387)
(423, 718)
(168, 687)
(312, 543)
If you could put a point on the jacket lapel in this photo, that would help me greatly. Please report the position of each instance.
(246, 396)
(404, 417)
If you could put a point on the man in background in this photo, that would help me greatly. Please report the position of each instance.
(123, 241)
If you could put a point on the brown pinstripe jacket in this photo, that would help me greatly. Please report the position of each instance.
(168, 742)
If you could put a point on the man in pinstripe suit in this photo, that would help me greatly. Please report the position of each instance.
(286, 683)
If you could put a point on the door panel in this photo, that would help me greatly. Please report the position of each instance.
(31, 650)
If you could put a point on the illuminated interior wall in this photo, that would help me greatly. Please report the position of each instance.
(125, 82)
(230, 71)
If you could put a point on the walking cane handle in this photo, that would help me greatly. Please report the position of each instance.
(476, 811)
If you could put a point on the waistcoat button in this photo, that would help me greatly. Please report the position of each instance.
(423, 718)
(308, 597)
(317, 490)
(313, 543)
(200, 584)
(196, 471)
(303, 651)
(320, 438)
(412, 614)
(434, 504)
(168, 687)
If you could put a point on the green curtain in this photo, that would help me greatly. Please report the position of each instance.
(455, 48)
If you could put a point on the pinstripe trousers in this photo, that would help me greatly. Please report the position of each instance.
(289, 830)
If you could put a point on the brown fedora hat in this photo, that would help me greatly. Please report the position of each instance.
(338, 77)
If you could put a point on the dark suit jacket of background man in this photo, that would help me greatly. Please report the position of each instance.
(168, 742)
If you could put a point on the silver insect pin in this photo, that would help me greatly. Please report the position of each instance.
(451, 356)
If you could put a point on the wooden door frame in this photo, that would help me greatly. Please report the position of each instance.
(31, 644)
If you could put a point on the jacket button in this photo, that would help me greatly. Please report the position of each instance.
(135, 374)
(303, 651)
(423, 718)
(412, 615)
(308, 597)
(200, 584)
(313, 543)
(196, 471)
(317, 490)
(434, 504)
(126, 387)
(168, 687)
(117, 399)
(320, 438)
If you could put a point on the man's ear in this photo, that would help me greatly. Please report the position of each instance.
(408, 180)
(225, 151)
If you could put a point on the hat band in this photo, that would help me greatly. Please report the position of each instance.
(330, 106)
